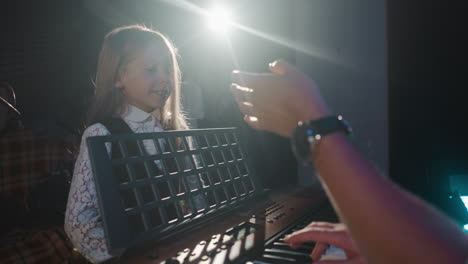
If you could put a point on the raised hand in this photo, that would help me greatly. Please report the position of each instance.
(276, 101)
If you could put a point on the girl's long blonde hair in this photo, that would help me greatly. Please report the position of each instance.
(119, 46)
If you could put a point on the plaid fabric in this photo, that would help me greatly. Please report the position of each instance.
(27, 161)
(27, 158)
(36, 246)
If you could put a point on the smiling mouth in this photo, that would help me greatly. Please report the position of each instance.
(164, 92)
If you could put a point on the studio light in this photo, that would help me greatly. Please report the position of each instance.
(219, 19)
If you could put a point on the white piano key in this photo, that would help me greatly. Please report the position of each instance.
(334, 253)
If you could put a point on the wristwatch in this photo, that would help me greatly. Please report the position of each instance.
(309, 133)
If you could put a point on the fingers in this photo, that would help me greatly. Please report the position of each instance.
(247, 109)
(237, 93)
(240, 90)
(305, 235)
(241, 94)
(323, 224)
(243, 97)
(358, 260)
(329, 236)
(318, 251)
(278, 67)
(242, 78)
(253, 80)
(253, 122)
(245, 79)
(281, 67)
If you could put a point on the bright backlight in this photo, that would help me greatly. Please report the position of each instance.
(219, 19)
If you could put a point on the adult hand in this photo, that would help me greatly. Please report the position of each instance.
(277, 101)
(325, 234)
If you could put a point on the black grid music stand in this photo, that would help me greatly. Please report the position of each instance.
(200, 173)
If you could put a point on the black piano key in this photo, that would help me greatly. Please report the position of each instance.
(302, 249)
(298, 256)
(290, 252)
(310, 244)
(275, 259)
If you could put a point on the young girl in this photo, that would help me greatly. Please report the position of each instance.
(137, 80)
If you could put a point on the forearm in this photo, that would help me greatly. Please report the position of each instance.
(88, 238)
(82, 221)
(382, 218)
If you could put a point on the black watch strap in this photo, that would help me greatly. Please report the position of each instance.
(309, 132)
(330, 124)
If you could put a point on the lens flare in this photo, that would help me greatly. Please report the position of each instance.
(219, 19)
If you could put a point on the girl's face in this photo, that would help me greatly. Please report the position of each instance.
(147, 80)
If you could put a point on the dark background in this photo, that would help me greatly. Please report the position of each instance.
(48, 53)
(427, 102)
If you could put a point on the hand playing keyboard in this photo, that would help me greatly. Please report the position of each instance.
(333, 253)
(326, 234)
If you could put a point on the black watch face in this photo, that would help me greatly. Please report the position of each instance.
(311, 129)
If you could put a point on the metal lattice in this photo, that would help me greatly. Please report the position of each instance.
(190, 175)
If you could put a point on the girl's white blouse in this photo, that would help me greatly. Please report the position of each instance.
(82, 218)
